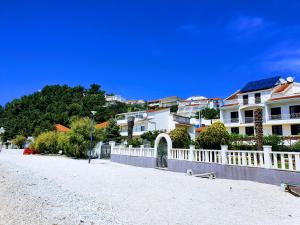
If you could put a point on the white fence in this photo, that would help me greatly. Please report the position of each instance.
(266, 158)
(263, 159)
(141, 151)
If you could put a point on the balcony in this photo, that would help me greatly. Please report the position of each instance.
(285, 116)
(181, 119)
(234, 120)
(248, 119)
(257, 100)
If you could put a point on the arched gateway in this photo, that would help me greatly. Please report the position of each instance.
(163, 146)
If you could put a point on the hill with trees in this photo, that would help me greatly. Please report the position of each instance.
(39, 112)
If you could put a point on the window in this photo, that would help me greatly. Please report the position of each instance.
(249, 116)
(235, 130)
(295, 129)
(245, 100)
(277, 130)
(234, 117)
(276, 113)
(250, 131)
(295, 111)
(257, 98)
(143, 128)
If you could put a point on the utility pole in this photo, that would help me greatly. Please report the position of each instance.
(91, 141)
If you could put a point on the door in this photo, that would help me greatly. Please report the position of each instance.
(105, 151)
(162, 154)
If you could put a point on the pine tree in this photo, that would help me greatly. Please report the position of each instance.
(113, 132)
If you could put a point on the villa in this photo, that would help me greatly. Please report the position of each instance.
(164, 102)
(150, 120)
(279, 99)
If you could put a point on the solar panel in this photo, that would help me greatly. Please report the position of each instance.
(260, 84)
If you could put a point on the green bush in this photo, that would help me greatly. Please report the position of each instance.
(151, 136)
(180, 138)
(213, 137)
(134, 142)
(19, 140)
(296, 146)
(46, 143)
(79, 138)
(273, 140)
(63, 142)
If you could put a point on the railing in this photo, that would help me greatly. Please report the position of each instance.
(248, 119)
(257, 100)
(263, 159)
(181, 119)
(285, 116)
(142, 152)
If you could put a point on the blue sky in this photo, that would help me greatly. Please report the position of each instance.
(146, 49)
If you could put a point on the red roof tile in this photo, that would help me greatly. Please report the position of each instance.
(61, 128)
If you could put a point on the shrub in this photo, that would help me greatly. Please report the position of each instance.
(79, 138)
(46, 143)
(213, 137)
(63, 142)
(273, 140)
(134, 142)
(296, 146)
(151, 136)
(112, 132)
(19, 140)
(180, 138)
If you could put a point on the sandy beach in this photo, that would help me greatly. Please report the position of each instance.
(58, 190)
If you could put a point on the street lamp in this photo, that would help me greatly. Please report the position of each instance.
(91, 141)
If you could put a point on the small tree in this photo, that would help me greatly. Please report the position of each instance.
(209, 114)
(180, 138)
(213, 137)
(19, 140)
(112, 132)
(151, 136)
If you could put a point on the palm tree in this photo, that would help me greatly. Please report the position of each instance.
(258, 124)
(130, 124)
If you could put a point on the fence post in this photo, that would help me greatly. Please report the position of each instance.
(191, 153)
(224, 149)
(267, 156)
(130, 149)
(142, 153)
(112, 147)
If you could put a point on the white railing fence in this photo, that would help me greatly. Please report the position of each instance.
(141, 151)
(265, 159)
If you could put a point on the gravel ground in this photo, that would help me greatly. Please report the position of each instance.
(57, 190)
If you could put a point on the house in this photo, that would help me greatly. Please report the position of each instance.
(135, 102)
(114, 98)
(150, 120)
(278, 98)
(164, 102)
(193, 105)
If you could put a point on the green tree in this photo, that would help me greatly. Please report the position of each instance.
(112, 132)
(209, 114)
(180, 138)
(19, 140)
(46, 143)
(151, 136)
(213, 137)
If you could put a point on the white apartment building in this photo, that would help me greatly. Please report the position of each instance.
(192, 105)
(279, 99)
(150, 120)
(114, 98)
(164, 102)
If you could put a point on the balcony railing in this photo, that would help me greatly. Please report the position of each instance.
(248, 119)
(285, 116)
(181, 119)
(257, 100)
(245, 101)
(234, 120)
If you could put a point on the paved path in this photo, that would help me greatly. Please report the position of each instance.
(57, 190)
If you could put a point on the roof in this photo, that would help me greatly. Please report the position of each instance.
(260, 84)
(286, 97)
(101, 125)
(234, 104)
(61, 128)
(281, 88)
(233, 96)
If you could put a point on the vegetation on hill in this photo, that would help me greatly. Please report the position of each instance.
(40, 111)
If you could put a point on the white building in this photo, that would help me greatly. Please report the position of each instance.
(164, 102)
(279, 99)
(193, 105)
(114, 98)
(150, 120)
